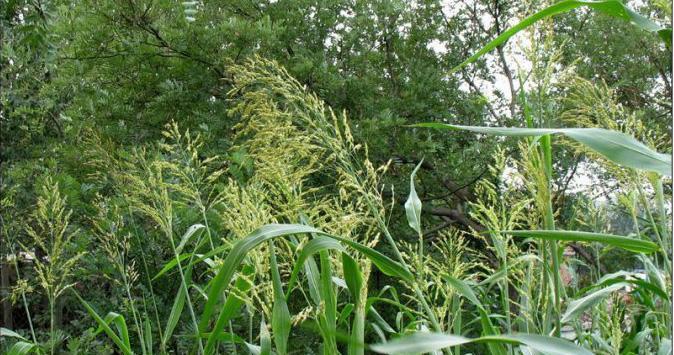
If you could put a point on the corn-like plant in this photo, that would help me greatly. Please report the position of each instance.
(52, 234)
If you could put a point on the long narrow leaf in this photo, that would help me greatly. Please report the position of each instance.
(631, 244)
(423, 342)
(176, 310)
(354, 281)
(267, 232)
(124, 348)
(4, 332)
(22, 348)
(488, 327)
(186, 237)
(577, 307)
(265, 339)
(312, 247)
(614, 8)
(617, 147)
(120, 323)
(280, 320)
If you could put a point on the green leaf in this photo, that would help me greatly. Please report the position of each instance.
(280, 319)
(21, 348)
(613, 8)
(354, 281)
(546, 345)
(633, 278)
(4, 332)
(265, 339)
(488, 327)
(147, 335)
(120, 323)
(413, 203)
(176, 310)
(617, 147)
(577, 307)
(264, 233)
(637, 341)
(423, 342)
(665, 347)
(635, 245)
(312, 247)
(327, 318)
(420, 342)
(464, 290)
(345, 313)
(352, 276)
(186, 237)
(123, 347)
(233, 304)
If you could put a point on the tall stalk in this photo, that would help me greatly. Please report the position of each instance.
(549, 223)
(183, 284)
(662, 215)
(23, 292)
(656, 228)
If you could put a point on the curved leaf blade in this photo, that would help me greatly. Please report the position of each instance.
(312, 247)
(634, 245)
(617, 147)
(262, 234)
(613, 8)
(22, 348)
(577, 307)
(423, 342)
(125, 349)
(4, 332)
(280, 320)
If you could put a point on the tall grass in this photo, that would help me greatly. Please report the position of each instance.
(286, 251)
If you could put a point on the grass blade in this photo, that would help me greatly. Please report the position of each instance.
(124, 348)
(176, 311)
(354, 281)
(577, 307)
(613, 8)
(148, 336)
(423, 342)
(312, 247)
(265, 339)
(267, 232)
(280, 320)
(4, 332)
(634, 245)
(186, 237)
(617, 147)
(488, 327)
(21, 348)
(120, 323)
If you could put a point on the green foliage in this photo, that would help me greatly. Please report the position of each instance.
(615, 146)
(242, 177)
(612, 8)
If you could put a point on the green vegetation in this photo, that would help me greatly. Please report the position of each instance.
(286, 177)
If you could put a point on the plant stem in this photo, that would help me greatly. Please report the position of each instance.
(133, 308)
(346, 164)
(51, 323)
(546, 144)
(23, 298)
(187, 294)
(656, 228)
(208, 229)
(662, 215)
(417, 290)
